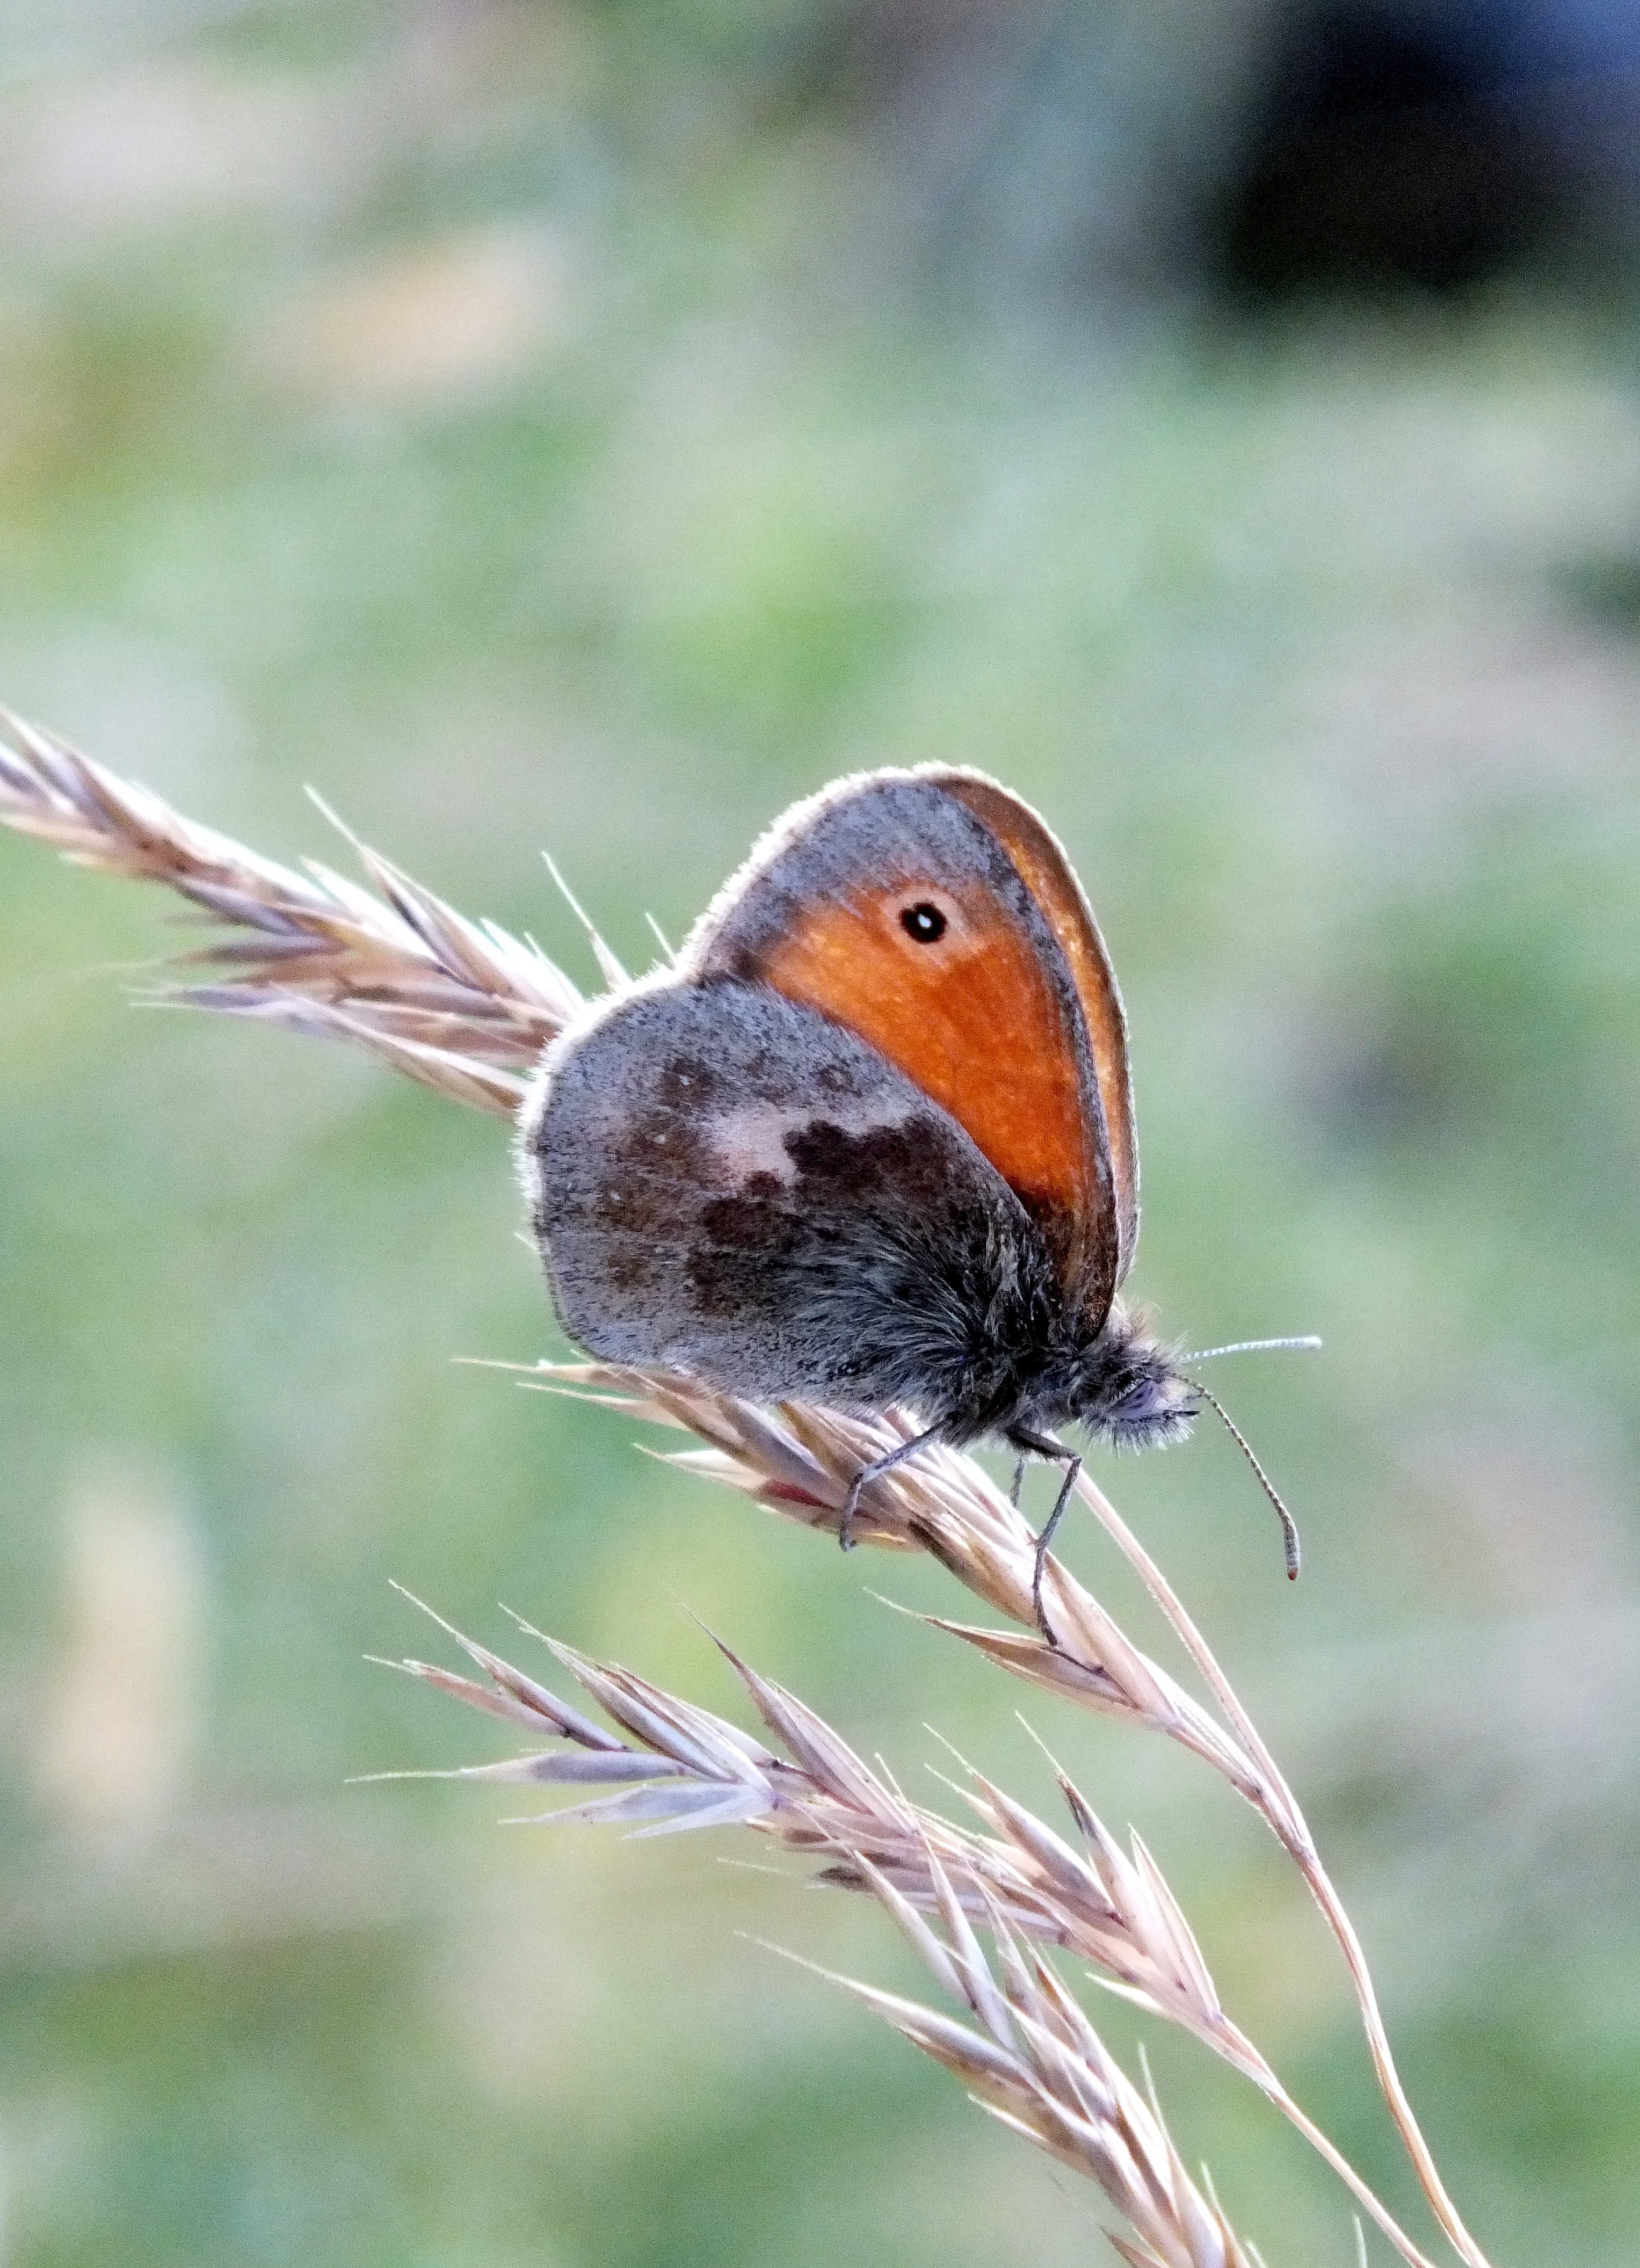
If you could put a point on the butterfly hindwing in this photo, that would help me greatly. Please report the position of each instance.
(725, 1181)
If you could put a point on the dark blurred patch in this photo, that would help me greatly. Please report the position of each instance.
(1342, 147)
(1390, 148)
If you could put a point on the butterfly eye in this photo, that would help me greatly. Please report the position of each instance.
(924, 922)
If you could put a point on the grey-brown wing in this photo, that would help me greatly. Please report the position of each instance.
(727, 1182)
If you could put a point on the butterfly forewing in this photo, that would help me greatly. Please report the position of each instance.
(896, 908)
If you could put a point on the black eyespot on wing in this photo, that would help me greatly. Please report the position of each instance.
(925, 923)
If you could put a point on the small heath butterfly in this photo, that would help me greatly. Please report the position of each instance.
(869, 1140)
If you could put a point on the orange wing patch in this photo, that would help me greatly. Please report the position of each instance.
(1046, 874)
(970, 1016)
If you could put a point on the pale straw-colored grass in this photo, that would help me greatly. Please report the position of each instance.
(681, 1767)
(458, 1005)
(465, 1008)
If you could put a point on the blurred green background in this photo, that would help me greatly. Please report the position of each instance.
(588, 427)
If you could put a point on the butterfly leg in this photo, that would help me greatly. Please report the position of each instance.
(1044, 1445)
(1019, 1483)
(874, 1470)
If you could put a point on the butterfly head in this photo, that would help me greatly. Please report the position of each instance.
(1126, 1389)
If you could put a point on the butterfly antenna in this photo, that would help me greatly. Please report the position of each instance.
(1289, 1530)
(1248, 1347)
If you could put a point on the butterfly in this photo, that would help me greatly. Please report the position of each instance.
(868, 1141)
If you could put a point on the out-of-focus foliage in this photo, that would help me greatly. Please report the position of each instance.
(562, 427)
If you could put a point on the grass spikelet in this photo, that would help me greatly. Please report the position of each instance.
(460, 1006)
(1037, 2061)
